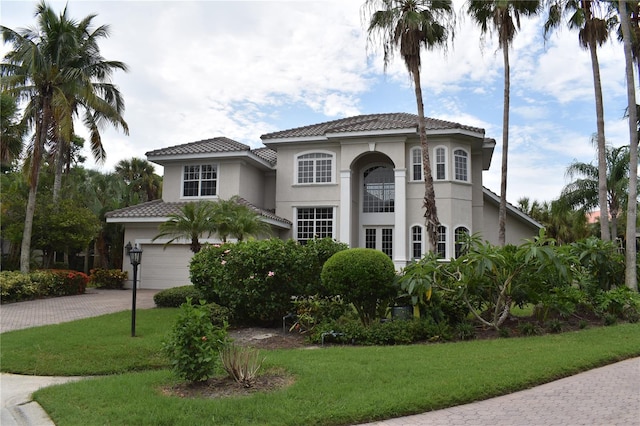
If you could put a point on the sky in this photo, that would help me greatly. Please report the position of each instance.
(240, 69)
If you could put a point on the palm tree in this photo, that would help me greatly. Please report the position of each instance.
(140, 177)
(32, 71)
(583, 192)
(247, 223)
(593, 31)
(12, 132)
(92, 92)
(193, 221)
(561, 221)
(410, 25)
(503, 16)
(628, 39)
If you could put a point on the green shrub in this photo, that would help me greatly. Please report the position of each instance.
(529, 329)
(194, 345)
(176, 296)
(465, 331)
(257, 280)
(363, 277)
(317, 252)
(107, 278)
(620, 302)
(602, 265)
(313, 310)
(68, 283)
(555, 326)
(16, 286)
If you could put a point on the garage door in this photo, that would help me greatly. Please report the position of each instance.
(164, 267)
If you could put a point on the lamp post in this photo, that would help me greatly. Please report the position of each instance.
(135, 255)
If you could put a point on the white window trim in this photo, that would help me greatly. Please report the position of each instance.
(315, 151)
(295, 219)
(447, 246)
(434, 170)
(453, 164)
(413, 177)
(196, 197)
(422, 241)
(453, 237)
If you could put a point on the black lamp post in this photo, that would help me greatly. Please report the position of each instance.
(135, 255)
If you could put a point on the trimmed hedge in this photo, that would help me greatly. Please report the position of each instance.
(176, 296)
(108, 278)
(17, 287)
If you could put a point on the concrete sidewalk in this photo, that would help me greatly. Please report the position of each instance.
(604, 396)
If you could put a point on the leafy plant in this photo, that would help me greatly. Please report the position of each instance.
(465, 331)
(107, 278)
(241, 363)
(176, 296)
(194, 343)
(364, 277)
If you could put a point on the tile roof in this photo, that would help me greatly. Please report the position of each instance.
(219, 144)
(266, 154)
(160, 209)
(370, 122)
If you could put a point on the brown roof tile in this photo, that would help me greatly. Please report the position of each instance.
(371, 122)
(219, 144)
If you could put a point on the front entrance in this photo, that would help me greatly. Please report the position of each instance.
(379, 238)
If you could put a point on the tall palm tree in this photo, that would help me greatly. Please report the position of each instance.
(593, 31)
(193, 221)
(32, 72)
(583, 192)
(140, 177)
(12, 132)
(408, 26)
(92, 93)
(631, 278)
(503, 16)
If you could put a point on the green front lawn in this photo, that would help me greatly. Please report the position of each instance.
(336, 385)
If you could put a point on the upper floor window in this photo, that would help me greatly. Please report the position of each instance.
(416, 242)
(461, 161)
(199, 180)
(441, 163)
(441, 244)
(315, 167)
(461, 234)
(379, 190)
(314, 222)
(416, 163)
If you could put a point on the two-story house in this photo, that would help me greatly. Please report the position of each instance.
(358, 180)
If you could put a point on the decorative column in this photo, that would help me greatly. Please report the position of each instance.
(345, 207)
(400, 219)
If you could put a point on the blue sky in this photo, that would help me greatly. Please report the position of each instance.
(241, 69)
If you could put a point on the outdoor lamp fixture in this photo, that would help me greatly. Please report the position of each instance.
(128, 248)
(135, 255)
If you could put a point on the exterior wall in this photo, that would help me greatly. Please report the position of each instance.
(516, 230)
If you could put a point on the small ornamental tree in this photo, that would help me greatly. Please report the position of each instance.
(363, 277)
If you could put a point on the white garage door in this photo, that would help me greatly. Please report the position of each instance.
(164, 267)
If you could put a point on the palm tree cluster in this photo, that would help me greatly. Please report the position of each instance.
(410, 25)
(56, 68)
(224, 218)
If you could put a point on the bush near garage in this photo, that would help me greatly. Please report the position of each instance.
(17, 287)
(107, 278)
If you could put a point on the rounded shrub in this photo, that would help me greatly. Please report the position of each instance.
(363, 277)
(176, 296)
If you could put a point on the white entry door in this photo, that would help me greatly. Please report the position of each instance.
(379, 238)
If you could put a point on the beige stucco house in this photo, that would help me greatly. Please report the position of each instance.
(358, 180)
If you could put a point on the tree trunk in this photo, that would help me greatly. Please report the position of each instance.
(57, 179)
(602, 161)
(34, 176)
(502, 211)
(630, 277)
(430, 213)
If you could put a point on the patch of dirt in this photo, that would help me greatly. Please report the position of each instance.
(223, 387)
(267, 338)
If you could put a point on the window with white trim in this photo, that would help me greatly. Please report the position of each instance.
(441, 163)
(461, 164)
(379, 190)
(416, 163)
(200, 180)
(416, 242)
(441, 244)
(315, 167)
(387, 241)
(460, 234)
(314, 222)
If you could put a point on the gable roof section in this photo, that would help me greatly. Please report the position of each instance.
(159, 211)
(371, 123)
(511, 209)
(211, 148)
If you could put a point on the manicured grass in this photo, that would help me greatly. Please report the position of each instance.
(93, 346)
(333, 386)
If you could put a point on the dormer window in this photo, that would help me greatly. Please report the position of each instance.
(200, 180)
(461, 164)
(314, 167)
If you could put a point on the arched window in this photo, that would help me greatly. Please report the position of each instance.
(416, 242)
(461, 164)
(315, 167)
(379, 190)
(416, 163)
(461, 234)
(441, 245)
(441, 163)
